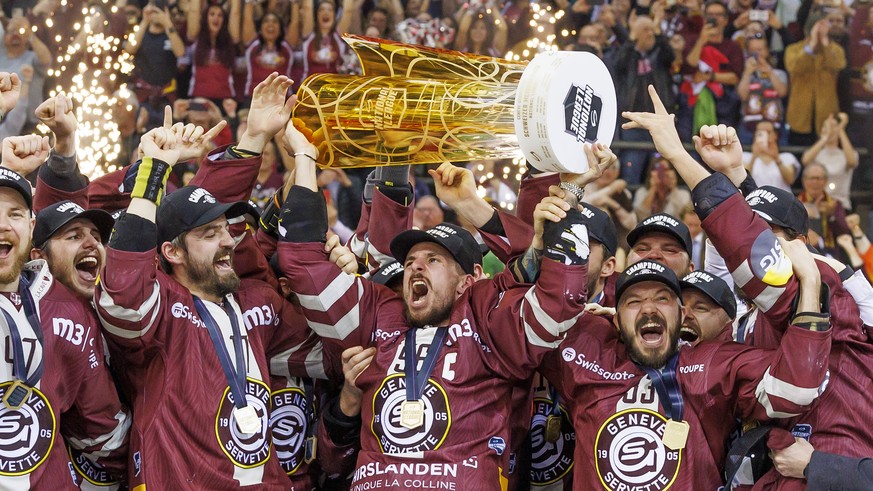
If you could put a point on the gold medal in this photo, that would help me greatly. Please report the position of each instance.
(411, 414)
(676, 434)
(16, 395)
(311, 446)
(247, 420)
(553, 428)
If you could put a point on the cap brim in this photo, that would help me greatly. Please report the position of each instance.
(634, 235)
(647, 277)
(696, 286)
(228, 210)
(28, 198)
(101, 219)
(405, 241)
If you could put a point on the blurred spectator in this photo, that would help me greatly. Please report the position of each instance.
(21, 48)
(212, 55)
(768, 166)
(812, 65)
(761, 90)
(383, 20)
(645, 59)
(271, 176)
(428, 213)
(202, 112)
(681, 17)
(614, 26)
(591, 38)
(835, 152)
(827, 217)
(323, 48)
(518, 15)
(156, 47)
(662, 193)
(698, 237)
(481, 32)
(610, 194)
(14, 120)
(713, 66)
(268, 50)
(496, 191)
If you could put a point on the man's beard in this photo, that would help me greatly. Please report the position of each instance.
(436, 314)
(14, 271)
(208, 281)
(644, 358)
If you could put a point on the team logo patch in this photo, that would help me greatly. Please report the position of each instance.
(769, 263)
(90, 471)
(629, 453)
(498, 444)
(288, 423)
(244, 450)
(394, 438)
(550, 461)
(26, 434)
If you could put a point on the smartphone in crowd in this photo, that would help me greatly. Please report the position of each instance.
(757, 15)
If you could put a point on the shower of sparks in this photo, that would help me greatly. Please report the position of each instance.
(543, 38)
(96, 61)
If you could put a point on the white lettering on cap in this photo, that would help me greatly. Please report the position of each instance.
(391, 269)
(70, 206)
(11, 174)
(588, 213)
(201, 195)
(448, 230)
(697, 277)
(438, 233)
(645, 267)
(757, 197)
(662, 220)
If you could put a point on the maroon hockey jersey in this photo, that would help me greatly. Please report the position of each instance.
(751, 253)
(75, 399)
(183, 435)
(620, 421)
(496, 337)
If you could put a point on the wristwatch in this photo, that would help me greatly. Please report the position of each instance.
(573, 189)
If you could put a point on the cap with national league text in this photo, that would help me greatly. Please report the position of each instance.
(713, 287)
(779, 207)
(460, 244)
(11, 179)
(190, 207)
(646, 271)
(665, 224)
(52, 218)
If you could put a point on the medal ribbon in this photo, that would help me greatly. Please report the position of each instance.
(668, 388)
(556, 402)
(236, 379)
(19, 370)
(416, 380)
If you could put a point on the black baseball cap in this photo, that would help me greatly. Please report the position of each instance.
(190, 207)
(387, 273)
(600, 227)
(52, 218)
(779, 207)
(646, 271)
(713, 287)
(460, 244)
(665, 224)
(11, 179)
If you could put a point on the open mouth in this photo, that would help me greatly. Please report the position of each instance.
(689, 335)
(223, 263)
(419, 291)
(87, 269)
(5, 248)
(652, 334)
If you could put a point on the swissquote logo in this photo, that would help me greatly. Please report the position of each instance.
(182, 311)
(582, 109)
(201, 195)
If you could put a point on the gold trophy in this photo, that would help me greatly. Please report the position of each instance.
(417, 105)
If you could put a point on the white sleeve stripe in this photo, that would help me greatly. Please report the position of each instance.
(329, 296)
(111, 441)
(535, 340)
(772, 386)
(343, 326)
(127, 333)
(315, 362)
(767, 298)
(552, 326)
(743, 274)
(279, 362)
(130, 315)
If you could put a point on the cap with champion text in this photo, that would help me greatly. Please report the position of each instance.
(713, 287)
(665, 224)
(11, 179)
(600, 227)
(387, 273)
(646, 271)
(190, 207)
(460, 244)
(51, 219)
(779, 207)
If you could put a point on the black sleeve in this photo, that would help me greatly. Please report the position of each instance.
(133, 233)
(710, 193)
(343, 430)
(62, 173)
(828, 471)
(494, 226)
(303, 217)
